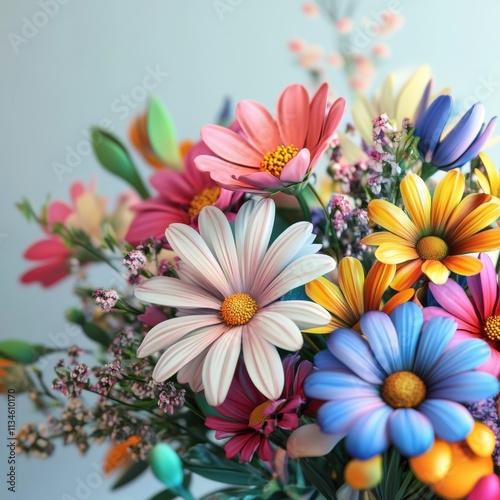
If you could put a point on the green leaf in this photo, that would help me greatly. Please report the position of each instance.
(319, 477)
(165, 495)
(205, 463)
(21, 351)
(97, 334)
(135, 470)
(113, 156)
(162, 135)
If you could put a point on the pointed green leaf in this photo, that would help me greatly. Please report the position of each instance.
(113, 156)
(135, 470)
(162, 135)
(21, 351)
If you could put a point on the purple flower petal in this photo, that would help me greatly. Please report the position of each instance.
(333, 386)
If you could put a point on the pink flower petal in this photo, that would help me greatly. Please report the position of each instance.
(258, 125)
(484, 287)
(47, 274)
(172, 292)
(303, 313)
(230, 146)
(317, 116)
(219, 366)
(170, 331)
(296, 169)
(309, 441)
(50, 248)
(293, 115)
(152, 317)
(185, 350)
(263, 363)
(262, 180)
(57, 211)
(191, 372)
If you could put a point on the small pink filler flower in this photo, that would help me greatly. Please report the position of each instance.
(273, 154)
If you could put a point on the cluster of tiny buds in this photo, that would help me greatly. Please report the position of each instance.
(134, 261)
(170, 398)
(71, 384)
(33, 440)
(107, 299)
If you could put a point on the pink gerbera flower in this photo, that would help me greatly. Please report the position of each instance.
(228, 300)
(274, 154)
(181, 197)
(252, 416)
(478, 316)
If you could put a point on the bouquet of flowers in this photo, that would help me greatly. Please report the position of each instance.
(338, 328)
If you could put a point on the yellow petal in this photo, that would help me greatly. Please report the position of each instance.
(398, 299)
(481, 440)
(389, 254)
(464, 265)
(377, 281)
(493, 176)
(411, 93)
(483, 181)
(464, 208)
(479, 219)
(417, 200)
(393, 219)
(363, 474)
(407, 275)
(351, 152)
(434, 464)
(436, 271)
(447, 196)
(351, 282)
(328, 295)
(363, 113)
(384, 237)
(387, 101)
(484, 241)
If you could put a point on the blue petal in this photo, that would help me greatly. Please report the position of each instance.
(465, 387)
(460, 138)
(369, 435)
(432, 125)
(434, 338)
(352, 350)
(451, 421)
(476, 146)
(337, 417)
(465, 356)
(408, 320)
(325, 360)
(424, 101)
(411, 432)
(383, 339)
(329, 385)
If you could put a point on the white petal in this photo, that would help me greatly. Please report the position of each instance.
(194, 252)
(253, 231)
(280, 254)
(219, 366)
(309, 441)
(190, 373)
(216, 231)
(170, 331)
(263, 364)
(173, 292)
(298, 273)
(303, 313)
(278, 330)
(182, 352)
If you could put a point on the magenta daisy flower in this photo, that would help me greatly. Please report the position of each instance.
(228, 300)
(273, 154)
(181, 196)
(477, 315)
(252, 416)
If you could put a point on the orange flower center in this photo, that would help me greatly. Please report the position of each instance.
(491, 328)
(403, 390)
(207, 197)
(274, 161)
(432, 248)
(257, 416)
(238, 309)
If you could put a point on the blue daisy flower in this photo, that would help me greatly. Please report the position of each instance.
(400, 386)
(464, 141)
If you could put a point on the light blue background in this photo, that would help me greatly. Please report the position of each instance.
(67, 77)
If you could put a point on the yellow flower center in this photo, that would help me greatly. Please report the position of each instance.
(491, 328)
(238, 309)
(273, 162)
(432, 248)
(403, 390)
(207, 197)
(257, 416)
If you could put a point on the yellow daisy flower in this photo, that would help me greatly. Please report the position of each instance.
(490, 183)
(433, 238)
(354, 294)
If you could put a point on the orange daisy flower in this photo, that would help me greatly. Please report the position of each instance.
(433, 238)
(354, 294)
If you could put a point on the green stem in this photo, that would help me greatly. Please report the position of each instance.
(303, 206)
(181, 491)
